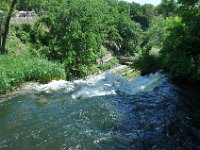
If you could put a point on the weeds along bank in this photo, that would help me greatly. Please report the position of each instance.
(20, 64)
(16, 70)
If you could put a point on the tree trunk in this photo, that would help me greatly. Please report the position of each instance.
(0, 38)
(6, 28)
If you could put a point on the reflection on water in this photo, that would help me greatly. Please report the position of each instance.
(104, 112)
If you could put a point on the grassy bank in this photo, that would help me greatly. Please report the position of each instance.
(16, 70)
(95, 69)
(128, 73)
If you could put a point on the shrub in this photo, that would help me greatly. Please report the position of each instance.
(147, 63)
(15, 70)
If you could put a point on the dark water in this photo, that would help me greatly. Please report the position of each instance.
(165, 117)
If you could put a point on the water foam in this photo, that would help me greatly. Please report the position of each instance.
(94, 86)
(104, 84)
(55, 86)
(141, 84)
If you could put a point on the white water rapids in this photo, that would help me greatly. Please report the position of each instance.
(103, 84)
(102, 112)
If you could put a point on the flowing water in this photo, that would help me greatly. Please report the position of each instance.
(102, 112)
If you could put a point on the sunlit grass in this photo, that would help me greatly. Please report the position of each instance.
(16, 70)
(128, 73)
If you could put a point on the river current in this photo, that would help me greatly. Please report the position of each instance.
(102, 112)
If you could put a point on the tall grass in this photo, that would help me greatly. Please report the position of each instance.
(109, 64)
(16, 70)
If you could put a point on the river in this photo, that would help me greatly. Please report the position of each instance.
(102, 112)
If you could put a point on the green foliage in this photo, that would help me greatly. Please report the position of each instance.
(168, 8)
(4, 5)
(124, 8)
(75, 34)
(131, 23)
(19, 40)
(142, 14)
(147, 62)
(21, 31)
(37, 5)
(90, 70)
(108, 65)
(181, 51)
(179, 39)
(131, 35)
(103, 52)
(157, 31)
(15, 70)
(85, 70)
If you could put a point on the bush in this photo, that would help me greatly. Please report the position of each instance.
(16, 70)
(22, 31)
(147, 63)
(181, 50)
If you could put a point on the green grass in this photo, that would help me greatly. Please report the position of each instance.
(132, 75)
(95, 69)
(128, 73)
(16, 70)
(104, 52)
(109, 64)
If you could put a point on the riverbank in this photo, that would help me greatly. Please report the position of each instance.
(16, 70)
(25, 88)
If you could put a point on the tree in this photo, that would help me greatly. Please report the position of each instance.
(75, 34)
(28, 5)
(181, 50)
(167, 8)
(142, 14)
(6, 26)
(124, 7)
(22, 5)
(156, 31)
(131, 35)
(3, 9)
